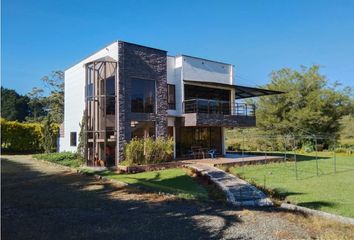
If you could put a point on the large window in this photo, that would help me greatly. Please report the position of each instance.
(171, 96)
(143, 96)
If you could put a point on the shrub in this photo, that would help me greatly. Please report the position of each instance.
(23, 137)
(63, 158)
(148, 151)
(134, 152)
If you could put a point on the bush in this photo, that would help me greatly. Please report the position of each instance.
(23, 137)
(148, 151)
(63, 158)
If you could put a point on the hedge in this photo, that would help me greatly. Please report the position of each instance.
(19, 137)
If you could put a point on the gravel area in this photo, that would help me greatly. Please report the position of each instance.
(41, 201)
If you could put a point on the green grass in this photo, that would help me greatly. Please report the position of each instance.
(64, 158)
(330, 192)
(173, 181)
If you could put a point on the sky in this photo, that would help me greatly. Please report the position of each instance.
(258, 37)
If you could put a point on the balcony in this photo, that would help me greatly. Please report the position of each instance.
(205, 112)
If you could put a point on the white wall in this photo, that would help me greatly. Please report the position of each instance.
(174, 77)
(197, 69)
(74, 95)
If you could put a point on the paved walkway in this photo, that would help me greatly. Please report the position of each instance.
(238, 191)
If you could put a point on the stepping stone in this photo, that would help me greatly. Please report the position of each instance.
(238, 191)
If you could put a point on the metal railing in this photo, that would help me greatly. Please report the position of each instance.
(218, 107)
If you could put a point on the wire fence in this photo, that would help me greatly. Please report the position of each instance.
(298, 157)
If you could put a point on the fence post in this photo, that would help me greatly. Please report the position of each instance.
(243, 153)
(316, 155)
(294, 150)
(334, 157)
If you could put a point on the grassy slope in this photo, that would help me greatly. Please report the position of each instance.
(328, 192)
(174, 181)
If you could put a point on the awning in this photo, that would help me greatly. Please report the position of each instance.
(240, 91)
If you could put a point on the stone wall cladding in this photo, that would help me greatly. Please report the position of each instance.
(217, 120)
(137, 61)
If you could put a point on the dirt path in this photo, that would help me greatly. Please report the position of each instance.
(40, 201)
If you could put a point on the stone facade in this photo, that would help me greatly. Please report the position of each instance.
(141, 62)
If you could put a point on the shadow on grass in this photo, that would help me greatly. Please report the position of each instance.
(317, 204)
(282, 193)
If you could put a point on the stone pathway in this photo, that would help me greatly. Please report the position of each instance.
(238, 191)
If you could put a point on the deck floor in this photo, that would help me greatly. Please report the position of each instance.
(236, 161)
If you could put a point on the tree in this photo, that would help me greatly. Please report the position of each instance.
(55, 101)
(14, 106)
(347, 126)
(37, 105)
(308, 107)
(49, 137)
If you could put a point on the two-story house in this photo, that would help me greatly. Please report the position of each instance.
(127, 90)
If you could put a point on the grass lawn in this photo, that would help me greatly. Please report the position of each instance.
(330, 192)
(64, 158)
(173, 181)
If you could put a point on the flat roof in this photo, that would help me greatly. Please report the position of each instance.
(205, 59)
(241, 92)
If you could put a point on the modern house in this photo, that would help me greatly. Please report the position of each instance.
(127, 90)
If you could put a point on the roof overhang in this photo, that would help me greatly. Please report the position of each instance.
(240, 91)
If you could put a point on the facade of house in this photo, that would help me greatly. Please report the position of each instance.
(127, 90)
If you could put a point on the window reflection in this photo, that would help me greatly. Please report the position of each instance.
(143, 96)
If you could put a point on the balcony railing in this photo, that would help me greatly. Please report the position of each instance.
(218, 107)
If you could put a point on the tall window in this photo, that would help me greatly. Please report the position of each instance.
(72, 139)
(171, 96)
(143, 96)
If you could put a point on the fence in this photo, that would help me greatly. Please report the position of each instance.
(303, 157)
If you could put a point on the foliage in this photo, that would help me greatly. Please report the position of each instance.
(81, 145)
(49, 135)
(134, 152)
(309, 106)
(173, 181)
(36, 105)
(347, 131)
(55, 101)
(330, 192)
(64, 158)
(23, 137)
(148, 150)
(13, 105)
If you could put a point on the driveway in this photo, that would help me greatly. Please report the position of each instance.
(41, 201)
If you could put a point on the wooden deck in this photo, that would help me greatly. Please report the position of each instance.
(236, 161)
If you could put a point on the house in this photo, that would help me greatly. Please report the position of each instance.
(127, 90)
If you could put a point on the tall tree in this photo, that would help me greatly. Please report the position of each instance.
(13, 105)
(55, 101)
(37, 105)
(309, 106)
